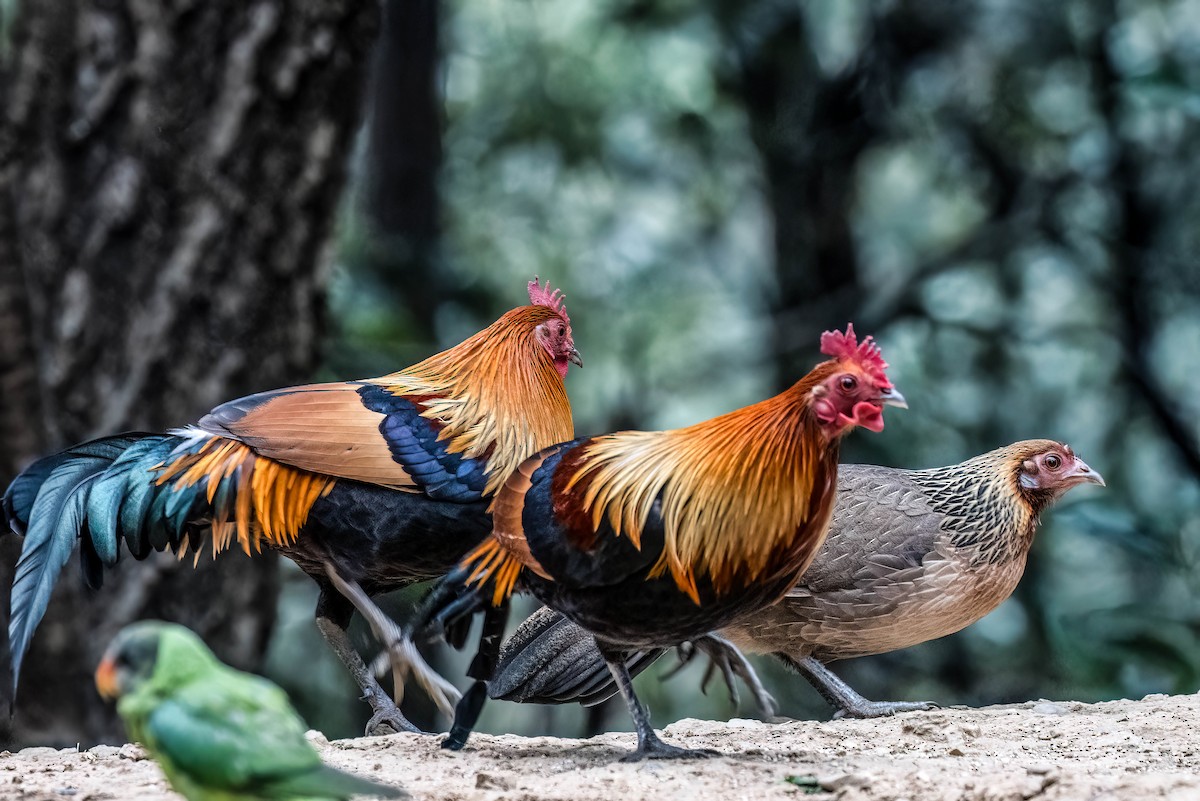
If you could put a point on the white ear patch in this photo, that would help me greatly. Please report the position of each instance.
(1028, 468)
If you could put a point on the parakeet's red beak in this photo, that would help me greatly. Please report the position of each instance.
(106, 679)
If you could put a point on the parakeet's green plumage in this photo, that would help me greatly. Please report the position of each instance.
(218, 733)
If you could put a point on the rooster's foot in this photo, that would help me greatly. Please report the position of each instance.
(654, 748)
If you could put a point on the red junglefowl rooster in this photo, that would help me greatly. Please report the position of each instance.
(650, 539)
(367, 485)
(911, 555)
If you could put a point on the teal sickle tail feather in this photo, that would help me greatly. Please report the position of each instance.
(156, 492)
(79, 491)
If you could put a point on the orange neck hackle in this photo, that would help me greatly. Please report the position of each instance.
(736, 491)
(498, 394)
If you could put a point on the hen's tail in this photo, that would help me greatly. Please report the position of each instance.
(156, 492)
(550, 660)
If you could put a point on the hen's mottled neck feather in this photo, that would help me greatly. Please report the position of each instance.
(496, 395)
(735, 490)
(985, 505)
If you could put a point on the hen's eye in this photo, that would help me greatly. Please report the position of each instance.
(1053, 462)
(848, 383)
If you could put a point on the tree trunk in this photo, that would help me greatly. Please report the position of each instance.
(404, 157)
(169, 175)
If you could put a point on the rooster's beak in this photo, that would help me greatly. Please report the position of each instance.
(575, 358)
(106, 679)
(1080, 473)
(892, 397)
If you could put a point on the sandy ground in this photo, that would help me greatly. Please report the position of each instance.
(1116, 751)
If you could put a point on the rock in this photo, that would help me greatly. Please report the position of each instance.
(837, 781)
(38, 752)
(492, 781)
(104, 751)
(133, 752)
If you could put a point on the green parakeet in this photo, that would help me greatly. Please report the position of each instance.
(219, 734)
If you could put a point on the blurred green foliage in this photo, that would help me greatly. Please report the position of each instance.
(1024, 234)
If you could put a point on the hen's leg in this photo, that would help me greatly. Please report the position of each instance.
(333, 615)
(842, 697)
(649, 746)
(404, 656)
(730, 660)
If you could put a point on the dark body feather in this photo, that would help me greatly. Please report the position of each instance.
(386, 539)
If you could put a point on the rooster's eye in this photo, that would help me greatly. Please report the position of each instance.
(1053, 462)
(848, 383)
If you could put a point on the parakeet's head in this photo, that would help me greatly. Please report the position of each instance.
(147, 653)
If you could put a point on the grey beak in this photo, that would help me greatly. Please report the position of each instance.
(1083, 474)
(892, 397)
(575, 358)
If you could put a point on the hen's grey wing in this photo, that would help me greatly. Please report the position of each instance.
(885, 548)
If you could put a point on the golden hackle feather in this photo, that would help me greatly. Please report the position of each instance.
(272, 499)
(491, 561)
(496, 394)
(735, 489)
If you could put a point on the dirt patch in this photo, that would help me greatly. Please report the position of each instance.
(1116, 751)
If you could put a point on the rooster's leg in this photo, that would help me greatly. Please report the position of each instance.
(483, 666)
(730, 660)
(402, 652)
(649, 746)
(384, 709)
(842, 697)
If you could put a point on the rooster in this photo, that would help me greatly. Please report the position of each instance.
(912, 555)
(650, 539)
(366, 485)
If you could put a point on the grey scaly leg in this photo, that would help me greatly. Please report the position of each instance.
(842, 697)
(732, 662)
(649, 746)
(386, 713)
(402, 652)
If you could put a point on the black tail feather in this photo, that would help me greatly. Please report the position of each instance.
(550, 660)
(447, 611)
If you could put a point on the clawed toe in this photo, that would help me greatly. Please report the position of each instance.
(657, 749)
(389, 721)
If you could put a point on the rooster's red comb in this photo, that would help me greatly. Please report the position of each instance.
(544, 296)
(846, 347)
